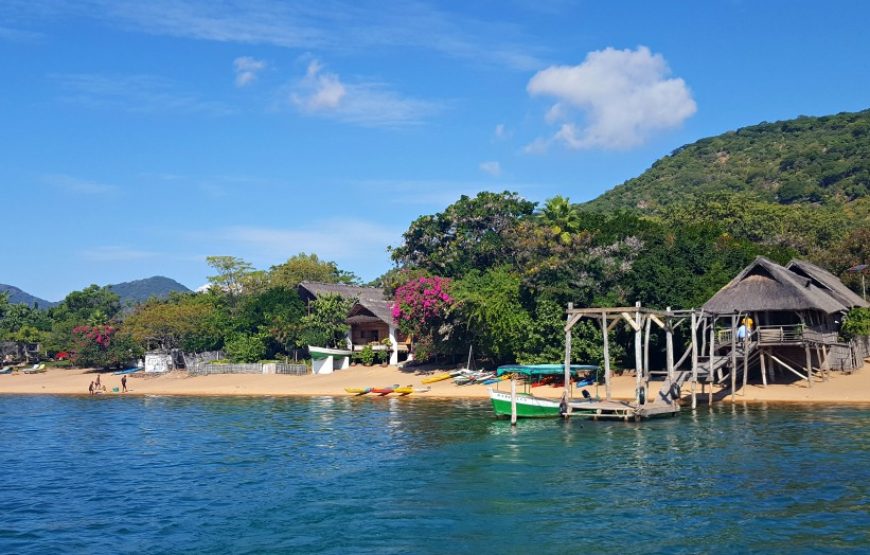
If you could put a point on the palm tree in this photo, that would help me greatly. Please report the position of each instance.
(561, 217)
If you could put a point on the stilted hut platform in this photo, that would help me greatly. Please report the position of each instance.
(769, 318)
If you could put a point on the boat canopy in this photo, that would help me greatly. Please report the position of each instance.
(545, 369)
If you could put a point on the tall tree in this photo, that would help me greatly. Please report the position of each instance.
(308, 267)
(470, 233)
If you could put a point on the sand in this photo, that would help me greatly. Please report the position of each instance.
(839, 388)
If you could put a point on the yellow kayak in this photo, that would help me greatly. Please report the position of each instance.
(358, 390)
(404, 390)
(438, 377)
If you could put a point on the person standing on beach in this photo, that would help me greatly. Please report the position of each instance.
(91, 388)
(97, 383)
(124, 383)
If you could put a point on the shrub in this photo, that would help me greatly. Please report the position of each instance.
(367, 355)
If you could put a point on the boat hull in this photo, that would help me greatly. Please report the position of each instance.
(528, 406)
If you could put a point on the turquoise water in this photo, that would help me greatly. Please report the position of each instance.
(344, 475)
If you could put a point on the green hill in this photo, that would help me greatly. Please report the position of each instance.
(17, 296)
(820, 160)
(132, 292)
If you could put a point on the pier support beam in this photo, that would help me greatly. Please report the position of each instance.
(638, 355)
(694, 360)
(733, 356)
(604, 332)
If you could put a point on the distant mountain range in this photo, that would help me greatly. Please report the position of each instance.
(130, 292)
(17, 296)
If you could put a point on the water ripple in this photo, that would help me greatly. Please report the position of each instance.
(343, 475)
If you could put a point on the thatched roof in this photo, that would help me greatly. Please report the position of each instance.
(828, 281)
(765, 285)
(370, 299)
(380, 310)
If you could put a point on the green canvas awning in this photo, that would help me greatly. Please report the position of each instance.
(545, 369)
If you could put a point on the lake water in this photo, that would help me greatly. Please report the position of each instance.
(342, 475)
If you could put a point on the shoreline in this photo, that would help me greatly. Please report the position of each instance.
(840, 389)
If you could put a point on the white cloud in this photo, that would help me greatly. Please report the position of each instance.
(502, 133)
(79, 186)
(363, 103)
(625, 96)
(335, 26)
(493, 168)
(318, 90)
(246, 69)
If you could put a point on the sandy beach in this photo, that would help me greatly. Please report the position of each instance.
(839, 388)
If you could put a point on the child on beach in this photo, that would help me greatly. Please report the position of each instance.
(91, 388)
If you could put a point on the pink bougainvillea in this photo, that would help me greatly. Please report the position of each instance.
(421, 301)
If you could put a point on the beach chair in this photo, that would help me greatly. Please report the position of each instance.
(36, 369)
(6, 370)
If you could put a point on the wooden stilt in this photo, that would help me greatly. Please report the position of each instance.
(711, 374)
(604, 332)
(733, 356)
(763, 369)
(669, 344)
(646, 329)
(638, 354)
(694, 346)
(745, 363)
(809, 365)
(568, 360)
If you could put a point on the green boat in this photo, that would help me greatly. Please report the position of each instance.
(530, 406)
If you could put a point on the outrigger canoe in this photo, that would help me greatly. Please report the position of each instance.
(440, 377)
(358, 390)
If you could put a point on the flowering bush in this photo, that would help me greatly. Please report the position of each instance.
(101, 346)
(421, 303)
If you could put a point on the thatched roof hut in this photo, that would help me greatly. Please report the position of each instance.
(827, 281)
(765, 286)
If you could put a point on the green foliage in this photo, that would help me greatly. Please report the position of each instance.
(367, 355)
(103, 346)
(856, 323)
(470, 233)
(92, 306)
(488, 304)
(246, 348)
(324, 325)
(231, 273)
(308, 267)
(193, 323)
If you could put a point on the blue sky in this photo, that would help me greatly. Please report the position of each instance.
(139, 137)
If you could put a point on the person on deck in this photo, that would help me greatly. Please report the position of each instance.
(741, 331)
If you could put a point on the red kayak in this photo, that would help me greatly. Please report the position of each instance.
(384, 390)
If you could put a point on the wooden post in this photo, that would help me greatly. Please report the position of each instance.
(733, 356)
(646, 328)
(669, 345)
(809, 365)
(513, 399)
(745, 361)
(694, 359)
(763, 369)
(771, 368)
(710, 375)
(568, 359)
(604, 332)
(638, 353)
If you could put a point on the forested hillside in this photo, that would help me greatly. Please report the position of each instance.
(801, 185)
(804, 160)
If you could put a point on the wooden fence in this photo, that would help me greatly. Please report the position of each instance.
(205, 368)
